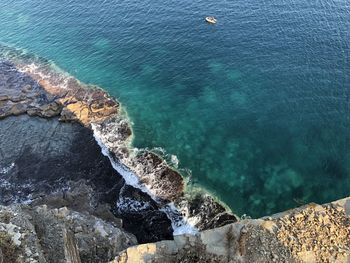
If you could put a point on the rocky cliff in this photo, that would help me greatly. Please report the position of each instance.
(43, 234)
(312, 233)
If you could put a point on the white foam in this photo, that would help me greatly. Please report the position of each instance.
(129, 177)
(35, 69)
(126, 204)
(170, 159)
(174, 161)
(179, 223)
(6, 169)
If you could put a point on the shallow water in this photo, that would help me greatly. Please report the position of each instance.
(256, 106)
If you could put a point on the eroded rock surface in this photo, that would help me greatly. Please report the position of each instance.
(313, 233)
(44, 161)
(20, 93)
(60, 235)
(40, 156)
(316, 233)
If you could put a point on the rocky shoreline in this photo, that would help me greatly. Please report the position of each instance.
(51, 127)
(54, 93)
(72, 188)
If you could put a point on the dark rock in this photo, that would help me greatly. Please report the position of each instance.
(141, 216)
(208, 212)
(47, 162)
(42, 234)
(48, 155)
(60, 164)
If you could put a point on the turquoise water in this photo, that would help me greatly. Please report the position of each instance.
(257, 106)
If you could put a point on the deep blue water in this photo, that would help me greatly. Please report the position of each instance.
(257, 106)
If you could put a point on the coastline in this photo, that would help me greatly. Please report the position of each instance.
(91, 106)
(67, 191)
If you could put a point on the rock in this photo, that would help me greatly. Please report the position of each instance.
(21, 93)
(41, 234)
(204, 211)
(42, 91)
(272, 239)
(80, 177)
(59, 164)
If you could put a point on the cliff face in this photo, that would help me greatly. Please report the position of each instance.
(313, 233)
(41, 234)
(60, 164)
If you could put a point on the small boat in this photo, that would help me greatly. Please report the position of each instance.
(211, 19)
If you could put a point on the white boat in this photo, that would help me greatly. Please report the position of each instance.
(211, 19)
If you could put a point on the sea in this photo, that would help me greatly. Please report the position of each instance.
(254, 109)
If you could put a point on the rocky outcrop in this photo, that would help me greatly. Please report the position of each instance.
(43, 156)
(20, 93)
(48, 158)
(152, 172)
(60, 235)
(312, 233)
(44, 161)
(30, 85)
(204, 211)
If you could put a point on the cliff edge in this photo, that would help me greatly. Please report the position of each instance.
(312, 233)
